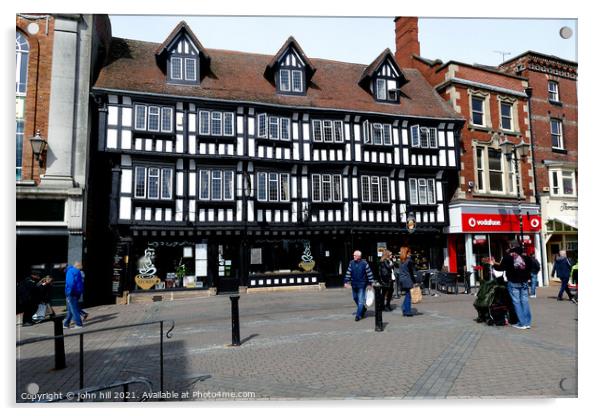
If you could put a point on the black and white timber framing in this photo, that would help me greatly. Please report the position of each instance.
(192, 167)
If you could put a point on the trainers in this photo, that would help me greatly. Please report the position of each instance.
(532, 296)
(574, 300)
(77, 327)
(517, 326)
(65, 326)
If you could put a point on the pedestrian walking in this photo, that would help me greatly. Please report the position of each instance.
(562, 268)
(406, 279)
(396, 276)
(359, 277)
(44, 287)
(74, 288)
(80, 301)
(386, 278)
(28, 297)
(518, 271)
(535, 268)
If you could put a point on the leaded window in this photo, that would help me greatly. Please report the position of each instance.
(176, 68)
(153, 118)
(153, 182)
(273, 187)
(375, 189)
(190, 69)
(285, 81)
(297, 81)
(273, 127)
(422, 191)
(216, 185)
(423, 137)
(377, 133)
(216, 123)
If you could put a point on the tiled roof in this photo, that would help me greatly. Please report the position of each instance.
(375, 65)
(238, 77)
(291, 41)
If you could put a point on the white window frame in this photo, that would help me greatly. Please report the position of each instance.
(317, 130)
(373, 189)
(422, 191)
(178, 66)
(216, 121)
(150, 174)
(339, 136)
(415, 135)
(166, 179)
(473, 110)
(510, 117)
(228, 191)
(274, 127)
(282, 182)
(285, 128)
(381, 89)
(204, 122)
(560, 175)
(194, 72)
(293, 79)
(560, 134)
(228, 128)
(285, 87)
(377, 134)
(164, 111)
(328, 131)
(205, 179)
(217, 175)
(137, 109)
(553, 93)
(319, 183)
(136, 182)
(284, 187)
(483, 172)
(151, 113)
(262, 125)
(367, 132)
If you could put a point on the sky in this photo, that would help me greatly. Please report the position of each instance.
(362, 39)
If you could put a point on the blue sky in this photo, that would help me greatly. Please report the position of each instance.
(361, 39)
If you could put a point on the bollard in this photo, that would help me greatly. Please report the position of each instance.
(378, 308)
(235, 321)
(59, 343)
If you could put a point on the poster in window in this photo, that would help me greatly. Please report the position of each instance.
(187, 252)
(256, 256)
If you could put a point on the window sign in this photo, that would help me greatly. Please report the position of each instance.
(256, 256)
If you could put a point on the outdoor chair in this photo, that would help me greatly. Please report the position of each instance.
(447, 281)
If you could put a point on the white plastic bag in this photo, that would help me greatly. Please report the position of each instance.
(369, 297)
(40, 313)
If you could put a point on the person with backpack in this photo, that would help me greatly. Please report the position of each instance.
(535, 268)
(359, 277)
(562, 268)
(518, 271)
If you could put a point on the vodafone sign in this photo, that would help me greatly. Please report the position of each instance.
(500, 223)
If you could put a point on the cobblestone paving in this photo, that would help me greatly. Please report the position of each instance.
(306, 345)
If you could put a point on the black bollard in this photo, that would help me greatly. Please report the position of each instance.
(235, 321)
(59, 343)
(378, 308)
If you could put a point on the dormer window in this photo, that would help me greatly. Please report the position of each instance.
(183, 57)
(383, 78)
(290, 70)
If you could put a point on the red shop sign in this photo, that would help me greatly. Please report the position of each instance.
(500, 223)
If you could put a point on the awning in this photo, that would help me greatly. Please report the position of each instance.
(570, 221)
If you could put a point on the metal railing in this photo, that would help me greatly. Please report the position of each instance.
(60, 346)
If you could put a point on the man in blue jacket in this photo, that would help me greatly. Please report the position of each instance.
(74, 287)
(359, 277)
(562, 268)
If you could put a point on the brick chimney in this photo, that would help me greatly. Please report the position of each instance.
(406, 40)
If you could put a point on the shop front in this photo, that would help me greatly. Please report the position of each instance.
(480, 231)
(560, 229)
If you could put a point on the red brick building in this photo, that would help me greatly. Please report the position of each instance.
(56, 57)
(491, 204)
(554, 130)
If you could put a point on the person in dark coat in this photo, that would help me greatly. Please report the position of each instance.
(518, 272)
(28, 296)
(406, 279)
(562, 268)
(385, 275)
(359, 277)
(535, 268)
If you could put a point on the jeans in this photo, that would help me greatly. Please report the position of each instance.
(406, 306)
(564, 287)
(359, 297)
(533, 283)
(519, 293)
(73, 311)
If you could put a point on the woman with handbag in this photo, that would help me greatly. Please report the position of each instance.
(385, 274)
(406, 279)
